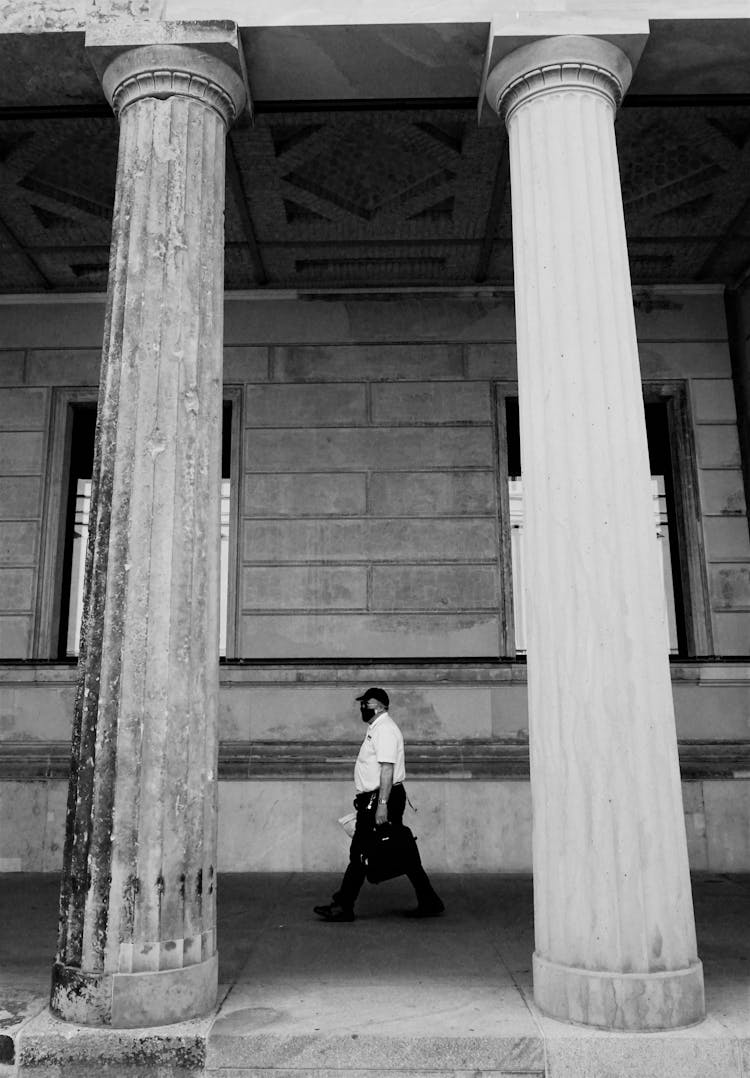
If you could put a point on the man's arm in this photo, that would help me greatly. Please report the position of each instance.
(386, 785)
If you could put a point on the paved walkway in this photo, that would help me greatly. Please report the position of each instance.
(384, 995)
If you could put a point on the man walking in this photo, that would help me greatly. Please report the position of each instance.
(379, 774)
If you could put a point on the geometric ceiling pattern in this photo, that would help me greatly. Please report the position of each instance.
(685, 175)
(376, 198)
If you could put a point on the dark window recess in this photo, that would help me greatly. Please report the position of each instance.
(513, 436)
(226, 439)
(77, 509)
(77, 506)
(226, 511)
(662, 479)
(665, 519)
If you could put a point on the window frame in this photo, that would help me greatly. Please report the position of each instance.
(690, 553)
(49, 605)
(233, 394)
(64, 400)
(501, 391)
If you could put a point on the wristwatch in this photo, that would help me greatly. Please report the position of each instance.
(382, 801)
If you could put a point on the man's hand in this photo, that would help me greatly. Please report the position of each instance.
(381, 816)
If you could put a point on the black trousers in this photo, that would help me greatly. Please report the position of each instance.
(366, 806)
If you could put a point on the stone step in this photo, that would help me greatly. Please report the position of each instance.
(366, 1072)
(241, 1044)
(252, 1055)
(46, 1047)
(264, 1042)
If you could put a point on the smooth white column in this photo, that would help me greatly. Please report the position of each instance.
(138, 902)
(614, 926)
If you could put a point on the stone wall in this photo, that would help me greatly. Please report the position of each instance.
(45, 16)
(434, 702)
(369, 494)
(367, 554)
(461, 825)
(369, 515)
(686, 341)
(54, 15)
(24, 421)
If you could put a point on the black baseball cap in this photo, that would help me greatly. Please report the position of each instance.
(375, 694)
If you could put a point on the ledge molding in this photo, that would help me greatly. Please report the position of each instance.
(501, 759)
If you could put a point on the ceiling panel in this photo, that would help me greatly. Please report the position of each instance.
(377, 196)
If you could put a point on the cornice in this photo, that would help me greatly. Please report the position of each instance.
(701, 673)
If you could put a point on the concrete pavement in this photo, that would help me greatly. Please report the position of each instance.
(381, 996)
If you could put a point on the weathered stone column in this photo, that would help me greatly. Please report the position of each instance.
(137, 939)
(615, 936)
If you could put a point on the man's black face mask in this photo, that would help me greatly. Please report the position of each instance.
(366, 712)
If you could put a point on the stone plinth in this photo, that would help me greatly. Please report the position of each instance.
(615, 937)
(138, 924)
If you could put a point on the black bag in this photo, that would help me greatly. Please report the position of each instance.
(391, 851)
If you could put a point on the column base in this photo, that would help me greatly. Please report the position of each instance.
(132, 1000)
(621, 1001)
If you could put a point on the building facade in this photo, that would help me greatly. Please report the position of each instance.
(452, 398)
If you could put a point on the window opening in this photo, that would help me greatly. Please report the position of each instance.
(78, 506)
(665, 514)
(515, 505)
(77, 515)
(665, 517)
(226, 506)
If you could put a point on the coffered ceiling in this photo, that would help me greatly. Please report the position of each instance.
(377, 197)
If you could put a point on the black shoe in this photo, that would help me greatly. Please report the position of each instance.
(431, 909)
(334, 913)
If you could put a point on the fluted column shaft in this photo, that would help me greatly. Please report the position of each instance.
(137, 939)
(615, 937)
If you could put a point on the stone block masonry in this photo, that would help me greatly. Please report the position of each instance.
(364, 369)
(23, 425)
(305, 495)
(350, 449)
(370, 514)
(358, 540)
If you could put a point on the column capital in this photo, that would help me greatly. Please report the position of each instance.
(203, 61)
(572, 62)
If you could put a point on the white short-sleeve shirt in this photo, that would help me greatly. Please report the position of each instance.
(383, 744)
